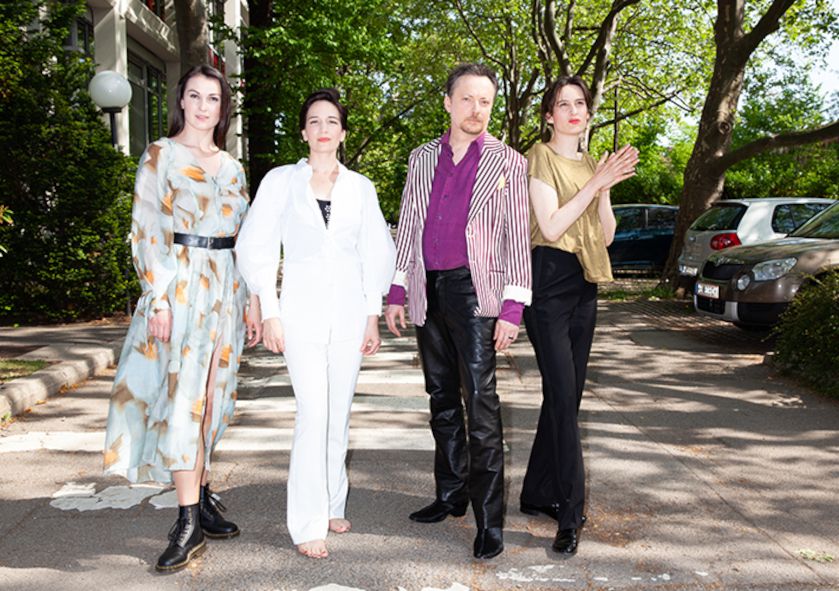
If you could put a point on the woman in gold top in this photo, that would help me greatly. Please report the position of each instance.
(571, 226)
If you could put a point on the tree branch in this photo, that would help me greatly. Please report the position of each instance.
(459, 6)
(604, 34)
(553, 39)
(768, 24)
(384, 125)
(634, 112)
(538, 33)
(781, 142)
(569, 23)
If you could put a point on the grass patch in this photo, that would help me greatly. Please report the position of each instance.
(623, 294)
(11, 369)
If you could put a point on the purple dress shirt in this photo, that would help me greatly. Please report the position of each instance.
(444, 234)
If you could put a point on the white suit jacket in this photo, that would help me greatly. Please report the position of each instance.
(333, 278)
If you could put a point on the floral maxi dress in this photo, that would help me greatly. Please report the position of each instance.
(157, 403)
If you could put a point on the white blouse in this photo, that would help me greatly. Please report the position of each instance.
(333, 277)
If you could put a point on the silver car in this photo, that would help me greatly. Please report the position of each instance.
(751, 286)
(744, 221)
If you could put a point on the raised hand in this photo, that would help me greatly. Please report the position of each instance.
(616, 167)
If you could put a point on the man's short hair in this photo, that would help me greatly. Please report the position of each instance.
(470, 70)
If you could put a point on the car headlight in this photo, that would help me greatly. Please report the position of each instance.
(768, 270)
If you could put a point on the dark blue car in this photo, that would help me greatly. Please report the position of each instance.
(643, 236)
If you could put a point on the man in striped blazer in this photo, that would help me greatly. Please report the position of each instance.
(463, 257)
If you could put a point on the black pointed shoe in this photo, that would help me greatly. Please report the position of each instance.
(186, 540)
(210, 509)
(489, 543)
(566, 542)
(438, 511)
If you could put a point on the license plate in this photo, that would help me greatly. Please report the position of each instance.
(708, 291)
(687, 270)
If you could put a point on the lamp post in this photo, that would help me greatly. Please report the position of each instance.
(111, 92)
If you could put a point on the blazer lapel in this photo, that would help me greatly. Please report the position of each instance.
(489, 177)
(426, 164)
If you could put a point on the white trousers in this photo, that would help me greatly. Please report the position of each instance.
(323, 377)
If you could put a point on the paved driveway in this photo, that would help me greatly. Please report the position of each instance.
(705, 471)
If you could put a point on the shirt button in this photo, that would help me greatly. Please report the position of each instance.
(439, 217)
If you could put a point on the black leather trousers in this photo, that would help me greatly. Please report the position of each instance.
(560, 324)
(458, 356)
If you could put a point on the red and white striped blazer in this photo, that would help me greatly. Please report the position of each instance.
(497, 228)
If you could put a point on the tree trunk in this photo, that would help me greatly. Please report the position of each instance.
(705, 171)
(260, 124)
(193, 34)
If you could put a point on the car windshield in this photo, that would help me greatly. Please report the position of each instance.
(722, 216)
(824, 225)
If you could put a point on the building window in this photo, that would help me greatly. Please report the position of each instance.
(81, 36)
(147, 111)
(215, 13)
(157, 7)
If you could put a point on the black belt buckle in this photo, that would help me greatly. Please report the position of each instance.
(210, 242)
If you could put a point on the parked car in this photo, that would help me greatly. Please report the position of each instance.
(751, 286)
(744, 221)
(643, 236)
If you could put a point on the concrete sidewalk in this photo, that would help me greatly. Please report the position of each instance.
(705, 471)
(75, 352)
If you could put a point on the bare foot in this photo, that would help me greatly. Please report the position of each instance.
(313, 549)
(339, 526)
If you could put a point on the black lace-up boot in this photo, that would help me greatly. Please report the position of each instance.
(186, 540)
(213, 524)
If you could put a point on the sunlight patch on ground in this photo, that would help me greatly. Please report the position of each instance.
(83, 497)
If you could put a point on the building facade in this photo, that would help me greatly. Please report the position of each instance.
(138, 39)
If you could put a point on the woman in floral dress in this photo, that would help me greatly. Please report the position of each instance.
(175, 385)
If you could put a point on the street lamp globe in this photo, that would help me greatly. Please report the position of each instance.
(111, 92)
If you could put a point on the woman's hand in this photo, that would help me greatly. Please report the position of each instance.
(160, 325)
(272, 335)
(614, 168)
(371, 343)
(253, 321)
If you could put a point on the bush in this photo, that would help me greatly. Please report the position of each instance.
(68, 256)
(808, 335)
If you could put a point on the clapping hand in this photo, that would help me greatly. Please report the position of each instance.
(616, 167)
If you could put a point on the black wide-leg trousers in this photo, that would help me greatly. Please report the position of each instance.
(560, 325)
(458, 360)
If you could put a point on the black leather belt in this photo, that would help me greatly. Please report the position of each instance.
(211, 242)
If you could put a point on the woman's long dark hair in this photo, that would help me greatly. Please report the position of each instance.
(220, 132)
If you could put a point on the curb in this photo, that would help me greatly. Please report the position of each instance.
(16, 396)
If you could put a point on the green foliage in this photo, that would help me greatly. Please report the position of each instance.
(5, 218)
(782, 99)
(808, 335)
(68, 255)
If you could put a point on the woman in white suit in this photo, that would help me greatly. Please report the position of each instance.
(338, 260)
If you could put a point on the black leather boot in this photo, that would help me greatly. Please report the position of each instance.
(186, 540)
(210, 509)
